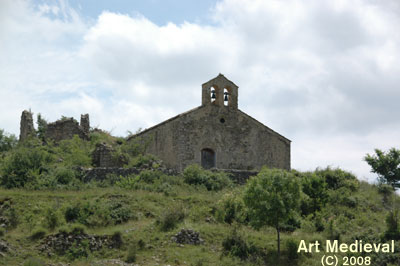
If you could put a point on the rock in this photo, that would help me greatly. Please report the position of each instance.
(187, 236)
(61, 242)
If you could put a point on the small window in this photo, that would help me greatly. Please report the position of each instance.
(222, 120)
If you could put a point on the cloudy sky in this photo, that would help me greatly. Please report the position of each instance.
(325, 74)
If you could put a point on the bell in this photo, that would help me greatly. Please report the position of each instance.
(213, 95)
(226, 98)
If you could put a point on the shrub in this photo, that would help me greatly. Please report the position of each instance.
(231, 208)
(98, 213)
(72, 213)
(195, 175)
(13, 218)
(150, 176)
(24, 164)
(116, 238)
(78, 229)
(170, 219)
(78, 250)
(75, 152)
(64, 175)
(7, 141)
(291, 248)
(392, 223)
(52, 218)
(38, 234)
(141, 244)
(2, 232)
(337, 178)
(315, 188)
(131, 256)
(235, 245)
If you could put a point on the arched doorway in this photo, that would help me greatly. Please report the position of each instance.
(207, 158)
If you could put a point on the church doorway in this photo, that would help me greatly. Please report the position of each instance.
(207, 158)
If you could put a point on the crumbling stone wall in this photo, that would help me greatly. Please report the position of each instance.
(102, 156)
(85, 123)
(66, 128)
(26, 125)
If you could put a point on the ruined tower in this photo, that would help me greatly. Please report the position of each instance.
(85, 123)
(26, 126)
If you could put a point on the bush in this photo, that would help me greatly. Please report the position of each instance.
(131, 256)
(231, 208)
(337, 178)
(38, 234)
(170, 219)
(291, 248)
(7, 141)
(78, 250)
(195, 175)
(24, 164)
(2, 232)
(72, 213)
(52, 218)
(98, 212)
(315, 188)
(117, 239)
(392, 223)
(74, 152)
(64, 175)
(236, 246)
(78, 229)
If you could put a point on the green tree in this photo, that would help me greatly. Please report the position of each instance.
(42, 127)
(386, 165)
(315, 188)
(7, 141)
(272, 198)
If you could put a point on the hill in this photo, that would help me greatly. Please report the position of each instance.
(49, 216)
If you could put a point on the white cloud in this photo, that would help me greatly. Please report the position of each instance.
(322, 73)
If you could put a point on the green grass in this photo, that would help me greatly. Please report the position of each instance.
(365, 219)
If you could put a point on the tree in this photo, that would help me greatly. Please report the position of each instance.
(272, 198)
(386, 165)
(7, 141)
(42, 127)
(315, 188)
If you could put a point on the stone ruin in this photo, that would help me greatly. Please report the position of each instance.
(26, 126)
(104, 162)
(66, 128)
(102, 156)
(62, 129)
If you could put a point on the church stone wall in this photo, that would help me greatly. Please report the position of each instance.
(239, 141)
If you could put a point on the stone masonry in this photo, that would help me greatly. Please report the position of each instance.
(66, 128)
(26, 126)
(102, 156)
(216, 135)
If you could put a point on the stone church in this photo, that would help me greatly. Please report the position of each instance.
(216, 135)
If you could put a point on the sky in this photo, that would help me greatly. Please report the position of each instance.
(324, 74)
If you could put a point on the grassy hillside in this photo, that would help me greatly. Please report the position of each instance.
(147, 220)
(48, 216)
